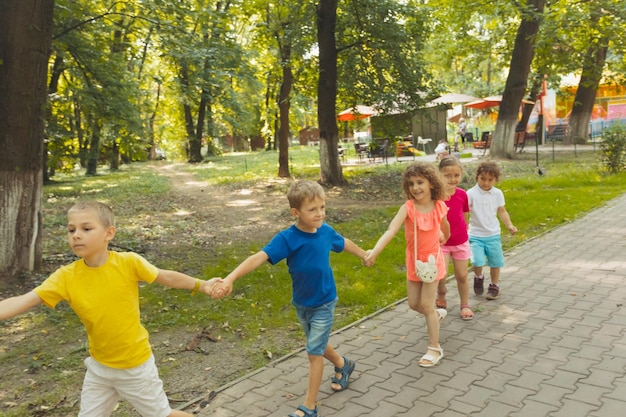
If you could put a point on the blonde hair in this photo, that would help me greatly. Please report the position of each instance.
(488, 167)
(104, 212)
(427, 171)
(304, 190)
(450, 161)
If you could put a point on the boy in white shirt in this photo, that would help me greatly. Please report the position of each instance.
(486, 204)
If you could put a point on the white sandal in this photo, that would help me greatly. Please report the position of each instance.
(432, 360)
(442, 313)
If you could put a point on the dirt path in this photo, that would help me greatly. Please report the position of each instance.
(230, 213)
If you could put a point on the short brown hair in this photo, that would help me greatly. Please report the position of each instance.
(104, 212)
(304, 190)
(488, 167)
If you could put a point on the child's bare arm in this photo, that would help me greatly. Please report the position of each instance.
(175, 279)
(445, 231)
(506, 219)
(386, 237)
(354, 249)
(11, 307)
(225, 287)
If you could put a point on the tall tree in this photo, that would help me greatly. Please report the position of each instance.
(372, 56)
(515, 87)
(25, 41)
(330, 166)
(597, 33)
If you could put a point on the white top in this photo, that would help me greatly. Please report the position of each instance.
(484, 207)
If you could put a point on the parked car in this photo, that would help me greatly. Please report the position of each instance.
(160, 155)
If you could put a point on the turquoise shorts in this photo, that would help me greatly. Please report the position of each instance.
(487, 251)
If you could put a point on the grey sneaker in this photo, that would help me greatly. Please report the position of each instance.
(493, 292)
(478, 285)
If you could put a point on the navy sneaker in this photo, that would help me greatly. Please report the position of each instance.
(493, 292)
(478, 285)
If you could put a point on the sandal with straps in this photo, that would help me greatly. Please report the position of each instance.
(346, 371)
(441, 303)
(432, 360)
(466, 315)
(307, 412)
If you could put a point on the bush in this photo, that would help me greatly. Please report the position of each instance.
(613, 148)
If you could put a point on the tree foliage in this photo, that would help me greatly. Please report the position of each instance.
(197, 77)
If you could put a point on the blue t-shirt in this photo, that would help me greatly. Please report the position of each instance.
(308, 260)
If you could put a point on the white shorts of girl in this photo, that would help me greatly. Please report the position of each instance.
(141, 386)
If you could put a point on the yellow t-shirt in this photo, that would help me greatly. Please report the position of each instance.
(106, 299)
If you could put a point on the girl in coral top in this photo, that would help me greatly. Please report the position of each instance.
(425, 211)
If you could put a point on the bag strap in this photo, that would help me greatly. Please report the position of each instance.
(414, 233)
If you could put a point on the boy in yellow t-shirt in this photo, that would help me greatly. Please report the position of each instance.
(102, 289)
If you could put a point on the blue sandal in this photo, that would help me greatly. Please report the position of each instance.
(346, 371)
(307, 412)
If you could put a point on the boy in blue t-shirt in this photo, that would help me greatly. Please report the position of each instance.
(306, 246)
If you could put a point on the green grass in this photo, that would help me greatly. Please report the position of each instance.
(570, 187)
(260, 306)
(536, 204)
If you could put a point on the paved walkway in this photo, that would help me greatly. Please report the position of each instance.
(477, 154)
(554, 344)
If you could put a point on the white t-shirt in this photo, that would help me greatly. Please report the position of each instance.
(484, 207)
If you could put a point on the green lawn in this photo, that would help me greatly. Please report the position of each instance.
(571, 185)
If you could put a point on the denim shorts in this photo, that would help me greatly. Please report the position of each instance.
(487, 250)
(317, 323)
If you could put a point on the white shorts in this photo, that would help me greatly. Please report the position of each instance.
(141, 386)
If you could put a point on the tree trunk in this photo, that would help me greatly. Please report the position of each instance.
(515, 87)
(94, 148)
(80, 134)
(283, 107)
(25, 41)
(330, 165)
(53, 87)
(115, 156)
(195, 141)
(586, 93)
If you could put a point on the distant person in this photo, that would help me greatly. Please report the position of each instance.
(441, 150)
(486, 204)
(425, 226)
(461, 129)
(457, 247)
(306, 246)
(103, 290)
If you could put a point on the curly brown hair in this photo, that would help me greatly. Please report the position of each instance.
(427, 171)
(488, 167)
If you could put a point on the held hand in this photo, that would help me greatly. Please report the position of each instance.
(220, 289)
(369, 260)
(208, 286)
